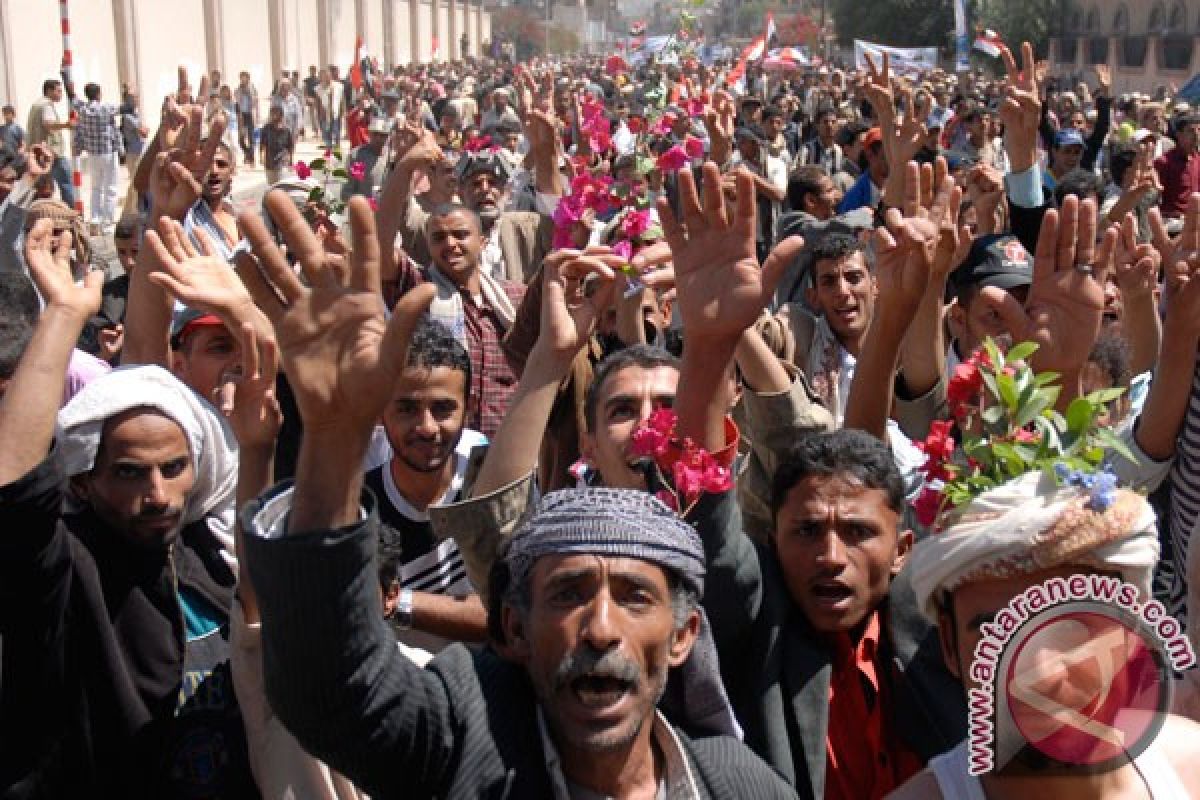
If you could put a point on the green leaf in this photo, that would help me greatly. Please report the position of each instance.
(340, 173)
(989, 380)
(314, 194)
(1111, 441)
(316, 164)
(1104, 396)
(1022, 351)
(1008, 390)
(994, 354)
(993, 414)
(1043, 378)
(337, 153)
(1031, 410)
(1079, 415)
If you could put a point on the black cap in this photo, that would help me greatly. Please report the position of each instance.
(998, 260)
(750, 132)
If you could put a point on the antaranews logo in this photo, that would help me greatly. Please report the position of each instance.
(1077, 669)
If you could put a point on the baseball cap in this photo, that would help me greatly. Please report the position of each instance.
(998, 260)
(750, 132)
(185, 321)
(1068, 137)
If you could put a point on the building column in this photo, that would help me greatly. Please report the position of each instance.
(435, 35)
(388, 57)
(127, 49)
(414, 37)
(478, 14)
(213, 40)
(324, 32)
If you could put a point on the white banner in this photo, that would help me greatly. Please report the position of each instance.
(904, 60)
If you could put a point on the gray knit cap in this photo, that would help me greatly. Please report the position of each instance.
(621, 523)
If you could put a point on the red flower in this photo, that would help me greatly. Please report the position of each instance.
(647, 441)
(615, 65)
(373, 203)
(673, 160)
(635, 224)
(939, 445)
(927, 505)
(600, 141)
(302, 170)
(694, 107)
(693, 147)
(477, 143)
(636, 125)
(663, 420)
(358, 170)
(662, 125)
(965, 386)
(624, 249)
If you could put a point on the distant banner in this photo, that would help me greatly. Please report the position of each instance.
(651, 46)
(962, 62)
(904, 60)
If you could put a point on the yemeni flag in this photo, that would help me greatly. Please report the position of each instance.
(361, 67)
(638, 28)
(753, 52)
(771, 37)
(990, 42)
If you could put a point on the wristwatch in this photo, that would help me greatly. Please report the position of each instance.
(404, 610)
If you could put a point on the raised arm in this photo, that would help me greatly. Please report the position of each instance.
(1136, 271)
(568, 316)
(29, 406)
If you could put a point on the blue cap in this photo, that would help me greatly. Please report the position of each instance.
(1067, 137)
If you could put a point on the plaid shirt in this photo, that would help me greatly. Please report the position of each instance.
(97, 130)
(493, 379)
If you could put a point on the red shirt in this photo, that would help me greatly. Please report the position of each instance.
(356, 127)
(1180, 176)
(864, 758)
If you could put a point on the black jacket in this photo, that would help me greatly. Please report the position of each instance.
(102, 694)
(777, 670)
(466, 726)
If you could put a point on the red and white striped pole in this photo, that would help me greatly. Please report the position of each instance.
(68, 62)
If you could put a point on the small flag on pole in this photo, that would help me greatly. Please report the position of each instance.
(356, 69)
(771, 37)
(990, 42)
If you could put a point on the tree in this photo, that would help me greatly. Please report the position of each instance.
(903, 23)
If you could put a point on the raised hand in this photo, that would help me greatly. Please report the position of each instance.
(1021, 111)
(254, 413)
(425, 153)
(341, 356)
(878, 89)
(907, 255)
(1103, 79)
(201, 279)
(721, 287)
(719, 122)
(1136, 265)
(38, 162)
(1182, 247)
(569, 310)
(49, 260)
(176, 180)
(1065, 304)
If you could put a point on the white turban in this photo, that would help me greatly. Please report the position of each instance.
(1019, 528)
(210, 439)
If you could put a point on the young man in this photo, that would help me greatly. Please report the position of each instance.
(245, 98)
(45, 127)
(425, 424)
(12, 135)
(1179, 169)
(586, 626)
(98, 135)
(276, 146)
(118, 502)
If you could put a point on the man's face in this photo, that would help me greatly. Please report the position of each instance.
(455, 243)
(425, 417)
(839, 545)
(749, 149)
(142, 477)
(204, 356)
(9, 117)
(377, 141)
(1154, 119)
(127, 252)
(827, 127)
(977, 320)
(220, 177)
(1188, 137)
(844, 293)
(500, 101)
(56, 94)
(1077, 120)
(775, 126)
(598, 641)
(483, 193)
(824, 202)
(627, 400)
(1068, 157)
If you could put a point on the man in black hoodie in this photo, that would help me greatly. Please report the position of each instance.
(114, 590)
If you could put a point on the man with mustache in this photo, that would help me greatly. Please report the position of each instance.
(515, 242)
(116, 594)
(592, 606)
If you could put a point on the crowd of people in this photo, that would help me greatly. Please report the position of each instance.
(580, 429)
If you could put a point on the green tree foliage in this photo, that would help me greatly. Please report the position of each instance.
(903, 23)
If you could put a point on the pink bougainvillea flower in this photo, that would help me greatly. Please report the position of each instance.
(673, 160)
(302, 170)
(624, 249)
(694, 107)
(927, 506)
(636, 125)
(358, 170)
(693, 147)
(663, 420)
(635, 223)
(662, 126)
(649, 442)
